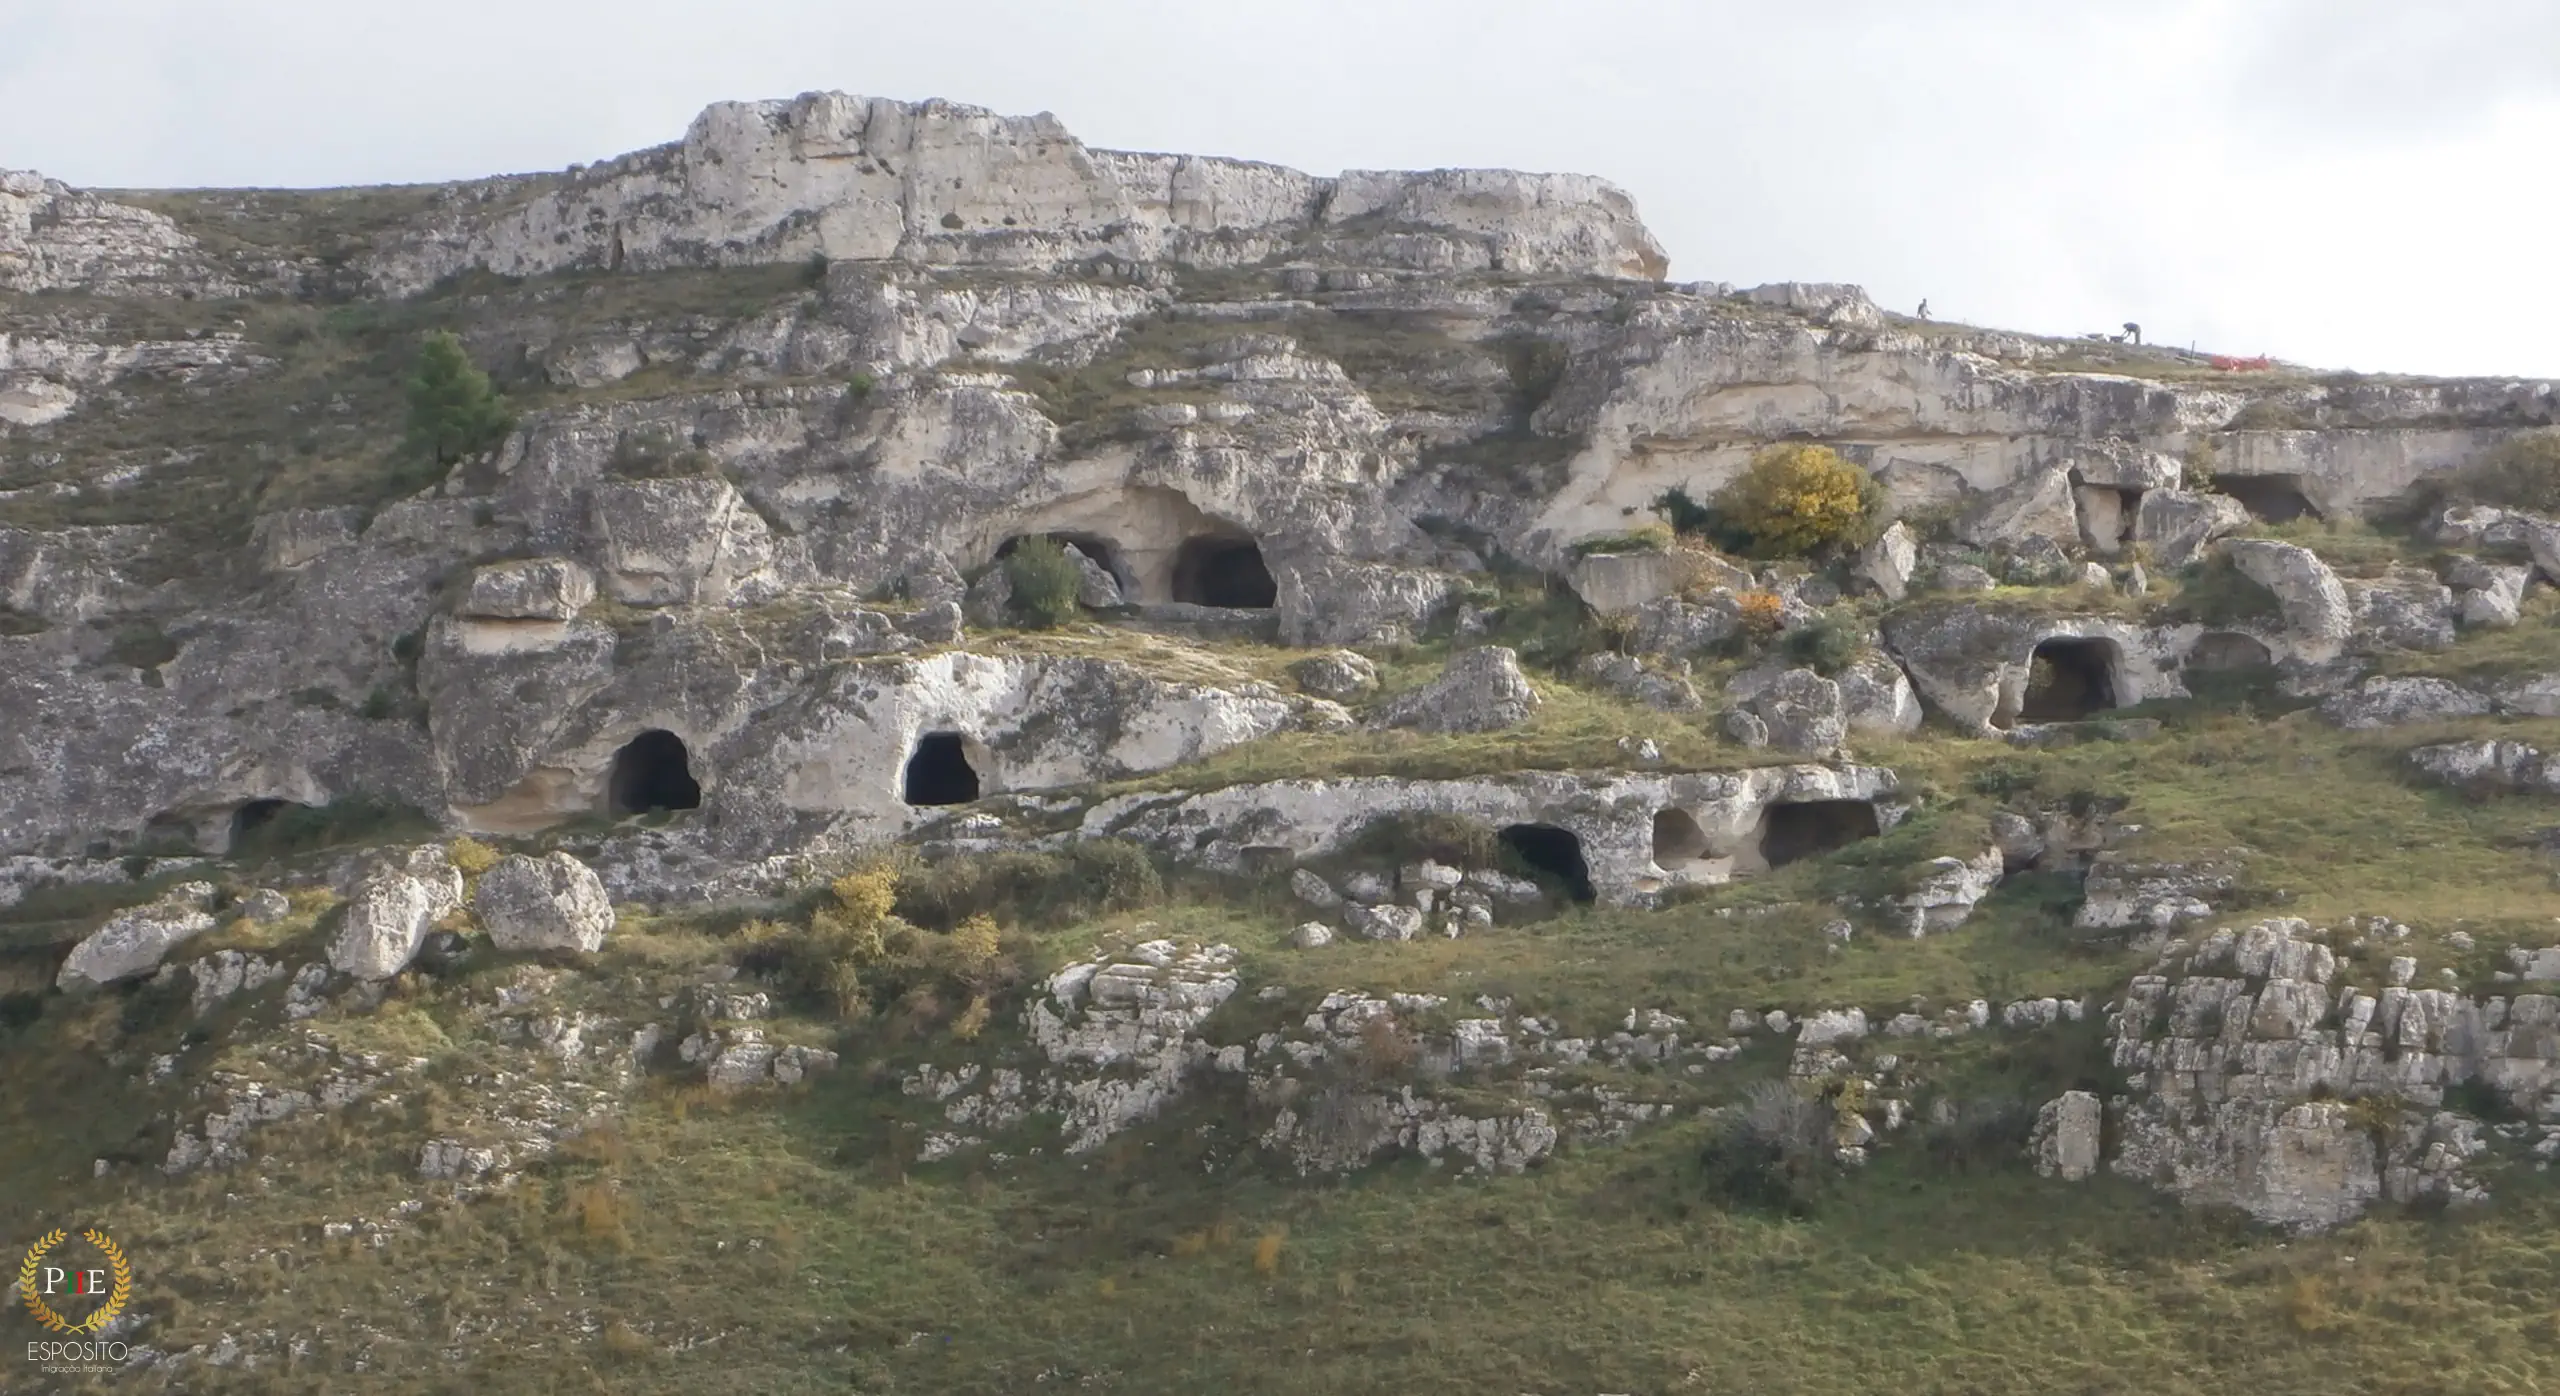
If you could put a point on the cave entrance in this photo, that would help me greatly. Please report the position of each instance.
(253, 815)
(2226, 651)
(653, 772)
(1677, 839)
(1795, 830)
(1555, 852)
(939, 772)
(2269, 498)
(2069, 679)
(1104, 552)
(1223, 571)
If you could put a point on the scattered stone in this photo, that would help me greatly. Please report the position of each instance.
(134, 942)
(1308, 887)
(1311, 935)
(266, 906)
(550, 903)
(1481, 690)
(2396, 702)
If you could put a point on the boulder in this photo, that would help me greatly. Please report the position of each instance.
(2067, 1132)
(266, 906)
(1887, 563)
(1384, 922)
(1961, 576)
(1096, 589)
(2318, 617)
(1876, 696)
(391, 910)
(2481, 526)
(135, 941)
(1947, 893)
(1481, 690)
(989, 601)
(2102, 517)
(2176, 525)
(2488, 765)
(1615, 583)
(1743, 727)
(1343, 676)
(2405, 610)
(1803, 712)
(1662, 683)
(2038, 505)
(1676, 627)
(1311, 935)
(549, 588)
(1312, 889)
(1330, 601)
(2397, 702)
(2491, 596)
(553, 902)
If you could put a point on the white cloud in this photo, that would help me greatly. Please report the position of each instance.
(2354, 183)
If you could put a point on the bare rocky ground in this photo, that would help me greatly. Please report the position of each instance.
(653, 904)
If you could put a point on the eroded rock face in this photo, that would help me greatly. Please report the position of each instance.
(2259, 1085)
(2176, 525)
(1973, 661)
(850, 178)
(134, 942)
(553, 902)
(56, 238)
(553, 589)
(1612, 818)
(2395, 702)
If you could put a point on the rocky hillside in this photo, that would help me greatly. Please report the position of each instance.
(1023, 764)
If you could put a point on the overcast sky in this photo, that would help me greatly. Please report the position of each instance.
(2365, 184)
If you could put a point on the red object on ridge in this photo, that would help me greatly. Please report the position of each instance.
(2229, 364)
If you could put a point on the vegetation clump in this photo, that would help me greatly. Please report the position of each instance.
(855, 956)
(1045, 581)
(454, 413)
(1797, 499)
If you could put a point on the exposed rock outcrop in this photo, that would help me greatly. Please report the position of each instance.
(553, 902)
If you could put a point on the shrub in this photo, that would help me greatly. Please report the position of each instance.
(1045, 581)
(453, 412)
(1092, 876)
(472, 856)
(1773, 1151)
(1829, 645)
(1762, 612)
(1984, 1132)
(855, 956)
(2520, 473)
(1796, 499)
(1455, 839)
(1654, 537)
(1687, 516)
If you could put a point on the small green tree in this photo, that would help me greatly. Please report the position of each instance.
(1045, 581)
(453, 412)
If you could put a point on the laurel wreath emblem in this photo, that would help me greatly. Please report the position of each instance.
(117, 1294)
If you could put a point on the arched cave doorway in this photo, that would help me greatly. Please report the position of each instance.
(253, 815)
(1104, 552)
(2069, 679)
(1677, 839)
(653, 772)
(2268, 498)
(1795, 830)
(939, 772)
(1553, 851)
(2226, 651)
(1224, 571)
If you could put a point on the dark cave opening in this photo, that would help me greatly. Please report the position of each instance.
(939, 772)
(1554, 852)
(1796, 830)
(2268, 498)
(254, 815)
(1223, 571)
(653, 772)
(1677, 839)
(2069, 679)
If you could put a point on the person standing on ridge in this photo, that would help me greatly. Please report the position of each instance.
(1924, 307)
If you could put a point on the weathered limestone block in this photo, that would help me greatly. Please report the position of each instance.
(548, 588)
(680, 542)
(2491, 595)
(1342, 676)
(2397, 702)
(549, 903)
(134, 942)
(1888, 562)
(392, 909)
(2318, 617)
(2066, 1138)
(2177, 524)
(1481, 690)
(2037, 506)
(1876, 696)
